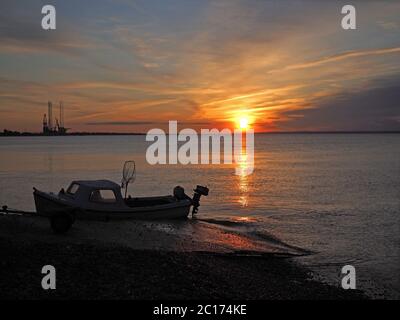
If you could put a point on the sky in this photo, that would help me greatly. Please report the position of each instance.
(129, 66)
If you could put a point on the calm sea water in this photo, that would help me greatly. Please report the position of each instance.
(337, 195)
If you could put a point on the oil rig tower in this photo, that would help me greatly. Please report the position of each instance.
(54, 130)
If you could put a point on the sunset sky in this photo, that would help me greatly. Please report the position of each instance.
(128, 66)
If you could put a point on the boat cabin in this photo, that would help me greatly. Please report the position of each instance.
(95, 192)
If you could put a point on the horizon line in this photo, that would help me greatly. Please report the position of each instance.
(77, 133)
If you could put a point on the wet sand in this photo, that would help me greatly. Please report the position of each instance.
(163, 260)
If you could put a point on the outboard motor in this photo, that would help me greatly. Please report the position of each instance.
(180, 194)
(198, 192)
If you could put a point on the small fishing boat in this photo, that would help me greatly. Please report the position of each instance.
(103, 200)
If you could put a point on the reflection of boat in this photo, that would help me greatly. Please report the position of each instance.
(103, 200)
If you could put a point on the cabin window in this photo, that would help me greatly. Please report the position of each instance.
(103, 196)
(73, 188)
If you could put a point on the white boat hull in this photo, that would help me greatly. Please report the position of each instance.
(50, 205)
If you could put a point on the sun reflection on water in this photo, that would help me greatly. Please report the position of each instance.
(243, 183)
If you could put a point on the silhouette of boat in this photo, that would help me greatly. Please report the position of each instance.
(102, 200)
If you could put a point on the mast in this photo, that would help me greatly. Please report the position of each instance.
(45, 127)
(61, 114)
(50, 115)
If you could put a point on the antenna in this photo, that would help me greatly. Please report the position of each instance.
(61, 114)
(50, 120)
(45, 127)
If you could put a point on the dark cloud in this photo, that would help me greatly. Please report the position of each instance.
(376, 109)
(21, 31)
(137, 123)
(119, 123)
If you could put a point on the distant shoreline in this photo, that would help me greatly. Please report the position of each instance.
(36, 134)
(33, 134)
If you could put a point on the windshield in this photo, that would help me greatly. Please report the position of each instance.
(73, 188)
(103, 196)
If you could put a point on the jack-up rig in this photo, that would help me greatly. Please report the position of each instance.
(48, 128)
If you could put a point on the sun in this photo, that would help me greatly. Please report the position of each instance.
(243, 123)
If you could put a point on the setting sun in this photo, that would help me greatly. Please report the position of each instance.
(243, 123)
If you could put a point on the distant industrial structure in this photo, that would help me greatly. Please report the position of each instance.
(49, 128)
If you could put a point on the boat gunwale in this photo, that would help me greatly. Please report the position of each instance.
(133, 210)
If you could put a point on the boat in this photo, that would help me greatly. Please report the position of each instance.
(102, 200)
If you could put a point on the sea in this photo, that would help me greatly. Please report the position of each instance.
(335, 195)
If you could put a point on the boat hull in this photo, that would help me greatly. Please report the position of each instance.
(49, 205)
